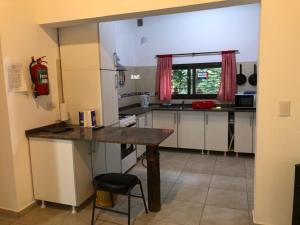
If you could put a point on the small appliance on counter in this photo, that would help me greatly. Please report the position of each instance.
(207, 104)
(243, 100)
(145, 100)
(87, 118)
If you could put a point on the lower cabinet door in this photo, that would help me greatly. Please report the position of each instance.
(190, 130)
(83, 170)
(254, 133)
(243, 132)
(167, 120)
(216, 131)
(141, 123)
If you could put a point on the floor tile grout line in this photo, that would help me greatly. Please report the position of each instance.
(249, 216)
(202, 213)
(227, 207)
(174, 183)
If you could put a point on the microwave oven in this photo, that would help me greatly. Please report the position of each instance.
(245, 101)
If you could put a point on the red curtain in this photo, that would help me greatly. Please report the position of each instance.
(164, 77)
(228, 87)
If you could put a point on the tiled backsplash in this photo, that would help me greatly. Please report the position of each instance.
(129, 93)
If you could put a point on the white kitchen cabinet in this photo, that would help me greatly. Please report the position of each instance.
(167, 120)
(148, 120)
(216, 131)
(61, 170)
(243, 132)
(98, 158)
(190, 129)
(143, 121)
(115, 160)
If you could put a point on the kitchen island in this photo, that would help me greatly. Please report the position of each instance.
(74, 134)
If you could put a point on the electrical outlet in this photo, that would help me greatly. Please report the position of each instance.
(284, 108)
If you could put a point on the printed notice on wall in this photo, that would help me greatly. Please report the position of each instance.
(16, 82)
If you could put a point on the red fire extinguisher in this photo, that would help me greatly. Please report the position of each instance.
(39, 77)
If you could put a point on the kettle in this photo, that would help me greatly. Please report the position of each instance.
(145, 100)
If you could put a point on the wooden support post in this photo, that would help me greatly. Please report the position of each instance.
(153, 178)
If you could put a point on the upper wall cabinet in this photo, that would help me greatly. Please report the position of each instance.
(107, 44)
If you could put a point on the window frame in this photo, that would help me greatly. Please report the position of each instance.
(194, 66)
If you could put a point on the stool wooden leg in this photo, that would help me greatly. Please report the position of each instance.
(141, 187)
(129, 208)
(93, 210)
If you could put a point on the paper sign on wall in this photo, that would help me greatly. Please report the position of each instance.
(16, 82)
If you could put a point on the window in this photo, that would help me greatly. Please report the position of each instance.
(196, 80)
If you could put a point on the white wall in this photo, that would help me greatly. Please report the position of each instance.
(81, 70)
(209, 30)
(125, 41)
(278, 142)
(21, 38)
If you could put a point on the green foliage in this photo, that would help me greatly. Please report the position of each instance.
(210, 85)
(179, 82)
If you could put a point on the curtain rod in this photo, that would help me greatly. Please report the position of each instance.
(198, 53)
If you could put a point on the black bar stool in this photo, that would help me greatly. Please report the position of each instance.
(117, 183)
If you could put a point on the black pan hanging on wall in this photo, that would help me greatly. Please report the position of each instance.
(241, 78)
(252, 79)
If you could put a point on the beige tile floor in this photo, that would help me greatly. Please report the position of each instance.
(195, 190)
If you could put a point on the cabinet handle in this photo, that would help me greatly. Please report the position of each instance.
(145, 122)
(116, 81)
(174, 117)
(179, 118)
(206, 119)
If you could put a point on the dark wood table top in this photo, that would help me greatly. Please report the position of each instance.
(122, 135)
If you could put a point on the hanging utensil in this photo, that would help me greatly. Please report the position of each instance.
(241, 78)
(253, 77)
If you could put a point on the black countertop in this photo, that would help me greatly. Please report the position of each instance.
(124, 135)
(136, 110)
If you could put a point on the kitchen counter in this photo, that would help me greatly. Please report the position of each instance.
(125, 135)
(122, 135)
(136, 110)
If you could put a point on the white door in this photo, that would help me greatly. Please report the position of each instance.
(167, 120)
(52, 164)
(148, 120)
(99, 160)
(141, 124)
(191, 130)
(254, 132)
(243, 132)
(216, 131)
(83, 170)
(113, 158)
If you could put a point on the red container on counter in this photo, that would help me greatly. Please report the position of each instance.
(208, 104)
